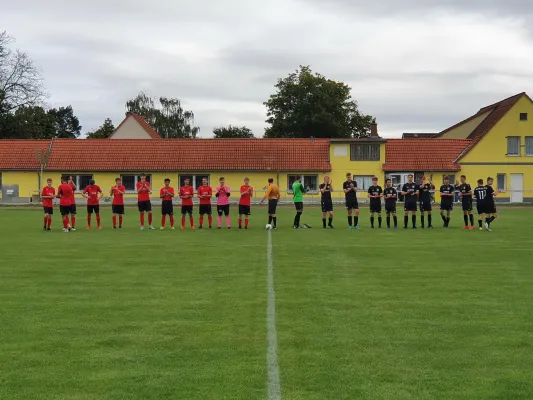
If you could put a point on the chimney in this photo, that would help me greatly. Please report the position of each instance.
(374, 129)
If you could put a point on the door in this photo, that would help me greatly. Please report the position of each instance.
(517, 188)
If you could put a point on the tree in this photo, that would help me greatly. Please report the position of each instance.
(67, 125)
(21, 83)
(308, 104)
(223, 132)
(104, 131)
(168, 117)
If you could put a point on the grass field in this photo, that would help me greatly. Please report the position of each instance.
(370, 314)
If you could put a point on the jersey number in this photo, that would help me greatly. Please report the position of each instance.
(482, 194)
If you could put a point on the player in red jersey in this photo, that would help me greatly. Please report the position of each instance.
(205, 192)
(186, 195)
(73, 210)
(93, 194)
(48, 195)
(117, 192)
(244, 202)
(66, 200)
(143, 200)
(167, 208)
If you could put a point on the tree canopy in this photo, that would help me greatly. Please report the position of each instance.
(230, 131)
(104, 131)
(308, 104)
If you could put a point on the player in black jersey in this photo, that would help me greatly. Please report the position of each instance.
(447, 194)
(426, 187)
(390, 196)
(480, 194)
(410, 190)
(465, 194)
(350, 193)
(326, 202)
(490, 209)
(375, 193)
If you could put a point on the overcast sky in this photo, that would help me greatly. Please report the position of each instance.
(415, 65)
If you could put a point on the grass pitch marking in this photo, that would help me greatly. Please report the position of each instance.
(274, 386)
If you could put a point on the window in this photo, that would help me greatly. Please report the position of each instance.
(501, 181)
(195, 180)
(529, 146)
(364, 152)
(513, 146)
(81, 181)
(523, 116)
(130, 181)
(309, 181)
(363, 181)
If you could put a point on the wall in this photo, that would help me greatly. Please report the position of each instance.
(463, 130)
(130, 129)
(27, 182)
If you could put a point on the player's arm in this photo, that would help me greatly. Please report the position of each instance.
(348, 190)
(323, 189)
(85, 193)
(100, 194)
(162, 193)
(404, 190)
(370, 194)
(267, 193)
(302, 188)
(380, 193)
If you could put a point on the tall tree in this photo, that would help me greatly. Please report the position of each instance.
(166, 116)
(307, 104)
(21, 83)
(225, 132)
(67, 125)
(104, 131)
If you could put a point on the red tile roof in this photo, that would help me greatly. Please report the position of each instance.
(21, 154)
(423, 154)
(145, 125)
(171, 155)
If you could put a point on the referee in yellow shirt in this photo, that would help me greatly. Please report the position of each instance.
(272, 194)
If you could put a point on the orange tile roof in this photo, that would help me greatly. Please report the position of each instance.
(423, 154)
(190, 155)
(21, 154)
(145, 125)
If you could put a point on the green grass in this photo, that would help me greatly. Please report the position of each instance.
(370, 314)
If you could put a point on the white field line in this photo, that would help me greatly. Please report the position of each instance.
(274, 386)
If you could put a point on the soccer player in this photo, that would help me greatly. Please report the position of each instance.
(391, 195)
(117, 206)
(66, 200)
(73, 210)
(93, 194)
(48, 195)
(480, 193)
(326, 202)
(222, 194)
(425, 200)
(244, 202)
(492, 213)
(143, 201)
(375, 193)
(166, 193)
(205, 192)
(272, 194)
(298, 192)
(447, 194)
(350, 194)
(186, 195)
(410, 190)
(465, 193)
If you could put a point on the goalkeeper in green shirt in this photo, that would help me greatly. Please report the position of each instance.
(298, 192)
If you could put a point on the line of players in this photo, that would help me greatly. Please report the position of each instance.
(417, 196)
(93, 193)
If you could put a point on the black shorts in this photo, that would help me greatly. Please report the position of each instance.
(491, 209)
(48, 210)
(409, 206)
(244, 210)
(186, 210)
(272, 205)
(167, 208)
(467, 205)
(144, 205)
(375, 207)
(425, 206)
(299, 205)
(390, 208)
(205, 209)
(481, 208)
(352, 204)
(66, 210)
(93, 208)
(327, 206)
(118, 208)
(223, 210)
(446, 206)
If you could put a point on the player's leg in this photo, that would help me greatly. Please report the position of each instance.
(247, 217)
(356, 214)
(209, 210)
(114, 217)
(163, 216)
(422, 215)
(448, 217)
(406, 216)
(324, 214)
(388, 218)
(120, 216)
(380, 220)
(226, 213)
(140, 205)
(219, 212)
(395, 218)
(430, 218)
(89, 216)
(413, 218)
(201, 211)
(45, 224)
(191, 219)
(73, 213)
(350, 216)
(50, 213)
(471, 216)
(330, 220)
(150, 215)
(442, 216)
(183, 215)
(371, 217)
(465, 219)
(97, 215)
(239, 220)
